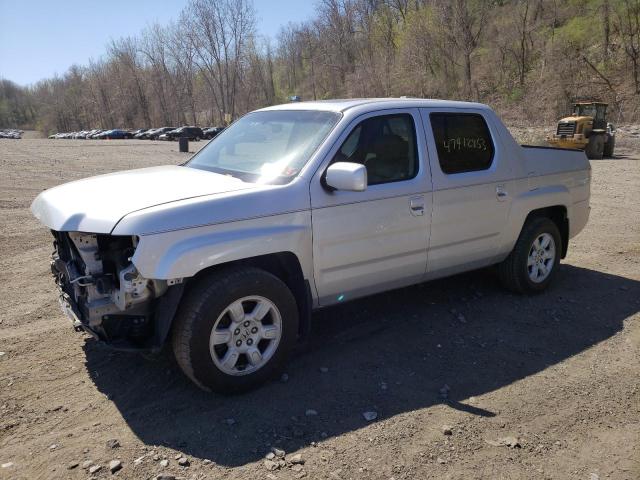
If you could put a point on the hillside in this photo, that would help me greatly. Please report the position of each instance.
(529, 59)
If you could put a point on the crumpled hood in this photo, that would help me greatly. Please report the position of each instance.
(96, 204)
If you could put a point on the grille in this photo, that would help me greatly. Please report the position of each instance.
(567, 128)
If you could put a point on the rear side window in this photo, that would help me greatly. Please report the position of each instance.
(463, 142)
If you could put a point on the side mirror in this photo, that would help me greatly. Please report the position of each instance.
(347, 176)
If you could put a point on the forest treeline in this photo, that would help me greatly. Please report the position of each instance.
(529, 59)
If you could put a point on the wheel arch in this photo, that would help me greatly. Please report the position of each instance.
(284, 265)
(558, 215)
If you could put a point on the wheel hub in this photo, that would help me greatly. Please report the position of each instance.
(245, 335)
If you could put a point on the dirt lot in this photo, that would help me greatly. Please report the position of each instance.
(559, 372)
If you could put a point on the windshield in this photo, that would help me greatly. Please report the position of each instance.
(266, 147)
(585, 110)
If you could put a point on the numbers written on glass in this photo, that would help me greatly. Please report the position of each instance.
(459, 144)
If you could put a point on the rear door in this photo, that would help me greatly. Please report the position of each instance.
(367, 242)
(472, 185)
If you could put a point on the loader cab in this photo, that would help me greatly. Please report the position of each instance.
(597, 111)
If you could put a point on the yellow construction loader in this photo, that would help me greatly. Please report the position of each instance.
(586, 129)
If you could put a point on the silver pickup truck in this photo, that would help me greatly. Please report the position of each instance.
(297, 207)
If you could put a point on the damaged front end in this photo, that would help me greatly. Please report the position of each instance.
(103, 293)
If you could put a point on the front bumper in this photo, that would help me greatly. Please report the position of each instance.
(101, 292)
(576, 141)
(120, 332)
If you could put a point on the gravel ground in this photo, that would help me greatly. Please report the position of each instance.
(464, 380)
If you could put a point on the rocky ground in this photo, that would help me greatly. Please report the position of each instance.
(452, 379)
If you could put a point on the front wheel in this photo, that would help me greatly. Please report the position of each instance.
(533, 262)
(235, 329)
(595, 148)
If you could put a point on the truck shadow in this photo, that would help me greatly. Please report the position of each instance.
(391, 353)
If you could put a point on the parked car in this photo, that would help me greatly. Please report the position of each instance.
(155, 134)
(97, 134)
(140, 131)
(90, 133)
(212, 132)
(302, 206)
(81, 135)
(101, 135)
(144, 135)
(120, 134)
(115, 134)
(192, 133)
(11, 133)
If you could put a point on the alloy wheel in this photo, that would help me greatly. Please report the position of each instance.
(245, 335)
(541, 259)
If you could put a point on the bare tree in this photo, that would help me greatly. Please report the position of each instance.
(467, 19)
(125, 54)
(629, 25)
(219, 32)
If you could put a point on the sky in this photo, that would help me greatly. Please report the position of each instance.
(41, 38)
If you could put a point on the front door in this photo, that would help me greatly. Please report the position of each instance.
(366, 242)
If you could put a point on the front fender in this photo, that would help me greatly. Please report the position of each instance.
(184, 253)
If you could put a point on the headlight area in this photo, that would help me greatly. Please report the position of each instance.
(102, 287)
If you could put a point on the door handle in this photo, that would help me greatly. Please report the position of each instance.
(416, 204)
(501, 193)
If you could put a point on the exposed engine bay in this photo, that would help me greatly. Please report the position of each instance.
(100, 288)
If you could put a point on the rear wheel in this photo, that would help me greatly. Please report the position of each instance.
(609, 146)
(235, 329)
(595, 147)
(533, 262)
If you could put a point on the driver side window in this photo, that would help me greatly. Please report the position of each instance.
(385, 145)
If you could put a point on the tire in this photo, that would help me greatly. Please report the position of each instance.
(207, 307)
(595, 147)
(516, 273)
(197, 139)
(609, 146)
